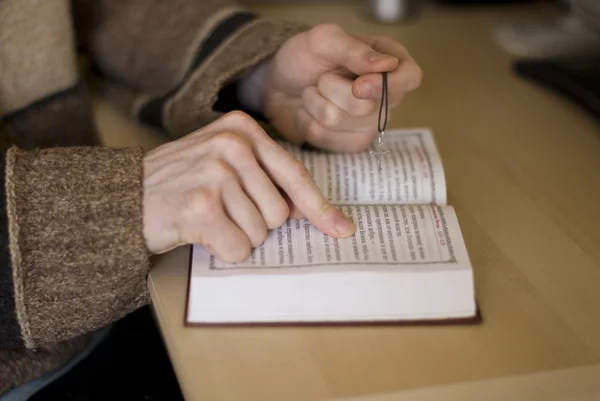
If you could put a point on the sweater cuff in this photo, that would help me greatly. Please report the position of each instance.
(239, 46)
(193, 105)
(75, 239)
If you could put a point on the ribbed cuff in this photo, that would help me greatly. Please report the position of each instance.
(193, 106)
(75, 223)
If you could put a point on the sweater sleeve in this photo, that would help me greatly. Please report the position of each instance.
(73, 256)
(176, 65)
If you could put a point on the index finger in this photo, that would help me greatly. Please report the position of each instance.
(295, 180)
(332, 45)
(290, 175)
(405, 78)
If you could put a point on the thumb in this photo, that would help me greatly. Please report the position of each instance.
(333, 46)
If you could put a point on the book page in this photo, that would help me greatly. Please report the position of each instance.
(387, 237)
(411, 174)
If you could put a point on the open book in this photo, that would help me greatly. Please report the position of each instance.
(407, 261)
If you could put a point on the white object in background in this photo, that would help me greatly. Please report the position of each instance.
(390, 11)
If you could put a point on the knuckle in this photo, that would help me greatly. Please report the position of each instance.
(415, 74)
(324, 30)
(308, 95)
(226, 139)
(242, 154)
(318, 35)
(301, 171)
(361, 108)
(221, 171)
(200, 203)
(377, 41)
(315, 132)
(278, 214)
(325, 82)
(240, 118)
(247, 125)
(238, 252)
(234, 145)
(401, 48)
(331, 115)
(260, 235)
(419, 76)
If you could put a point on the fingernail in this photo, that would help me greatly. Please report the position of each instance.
(343, 226)
(365, 90)
(376, 56)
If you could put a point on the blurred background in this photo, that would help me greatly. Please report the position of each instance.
(480, 58)
(553, 44)
(503, 80)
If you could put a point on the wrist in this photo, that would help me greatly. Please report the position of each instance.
(252, 89)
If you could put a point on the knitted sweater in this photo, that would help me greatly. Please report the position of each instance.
(72, 253)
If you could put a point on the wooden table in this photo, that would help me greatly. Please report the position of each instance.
(523, 170)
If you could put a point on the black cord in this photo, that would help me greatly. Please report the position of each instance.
(384, 97)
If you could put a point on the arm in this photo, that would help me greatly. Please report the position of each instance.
(73, 254)
(177, 65)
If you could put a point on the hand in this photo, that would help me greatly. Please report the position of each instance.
(220, 187)
(312, 95)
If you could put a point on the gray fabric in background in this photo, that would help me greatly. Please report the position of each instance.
(587, 11)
